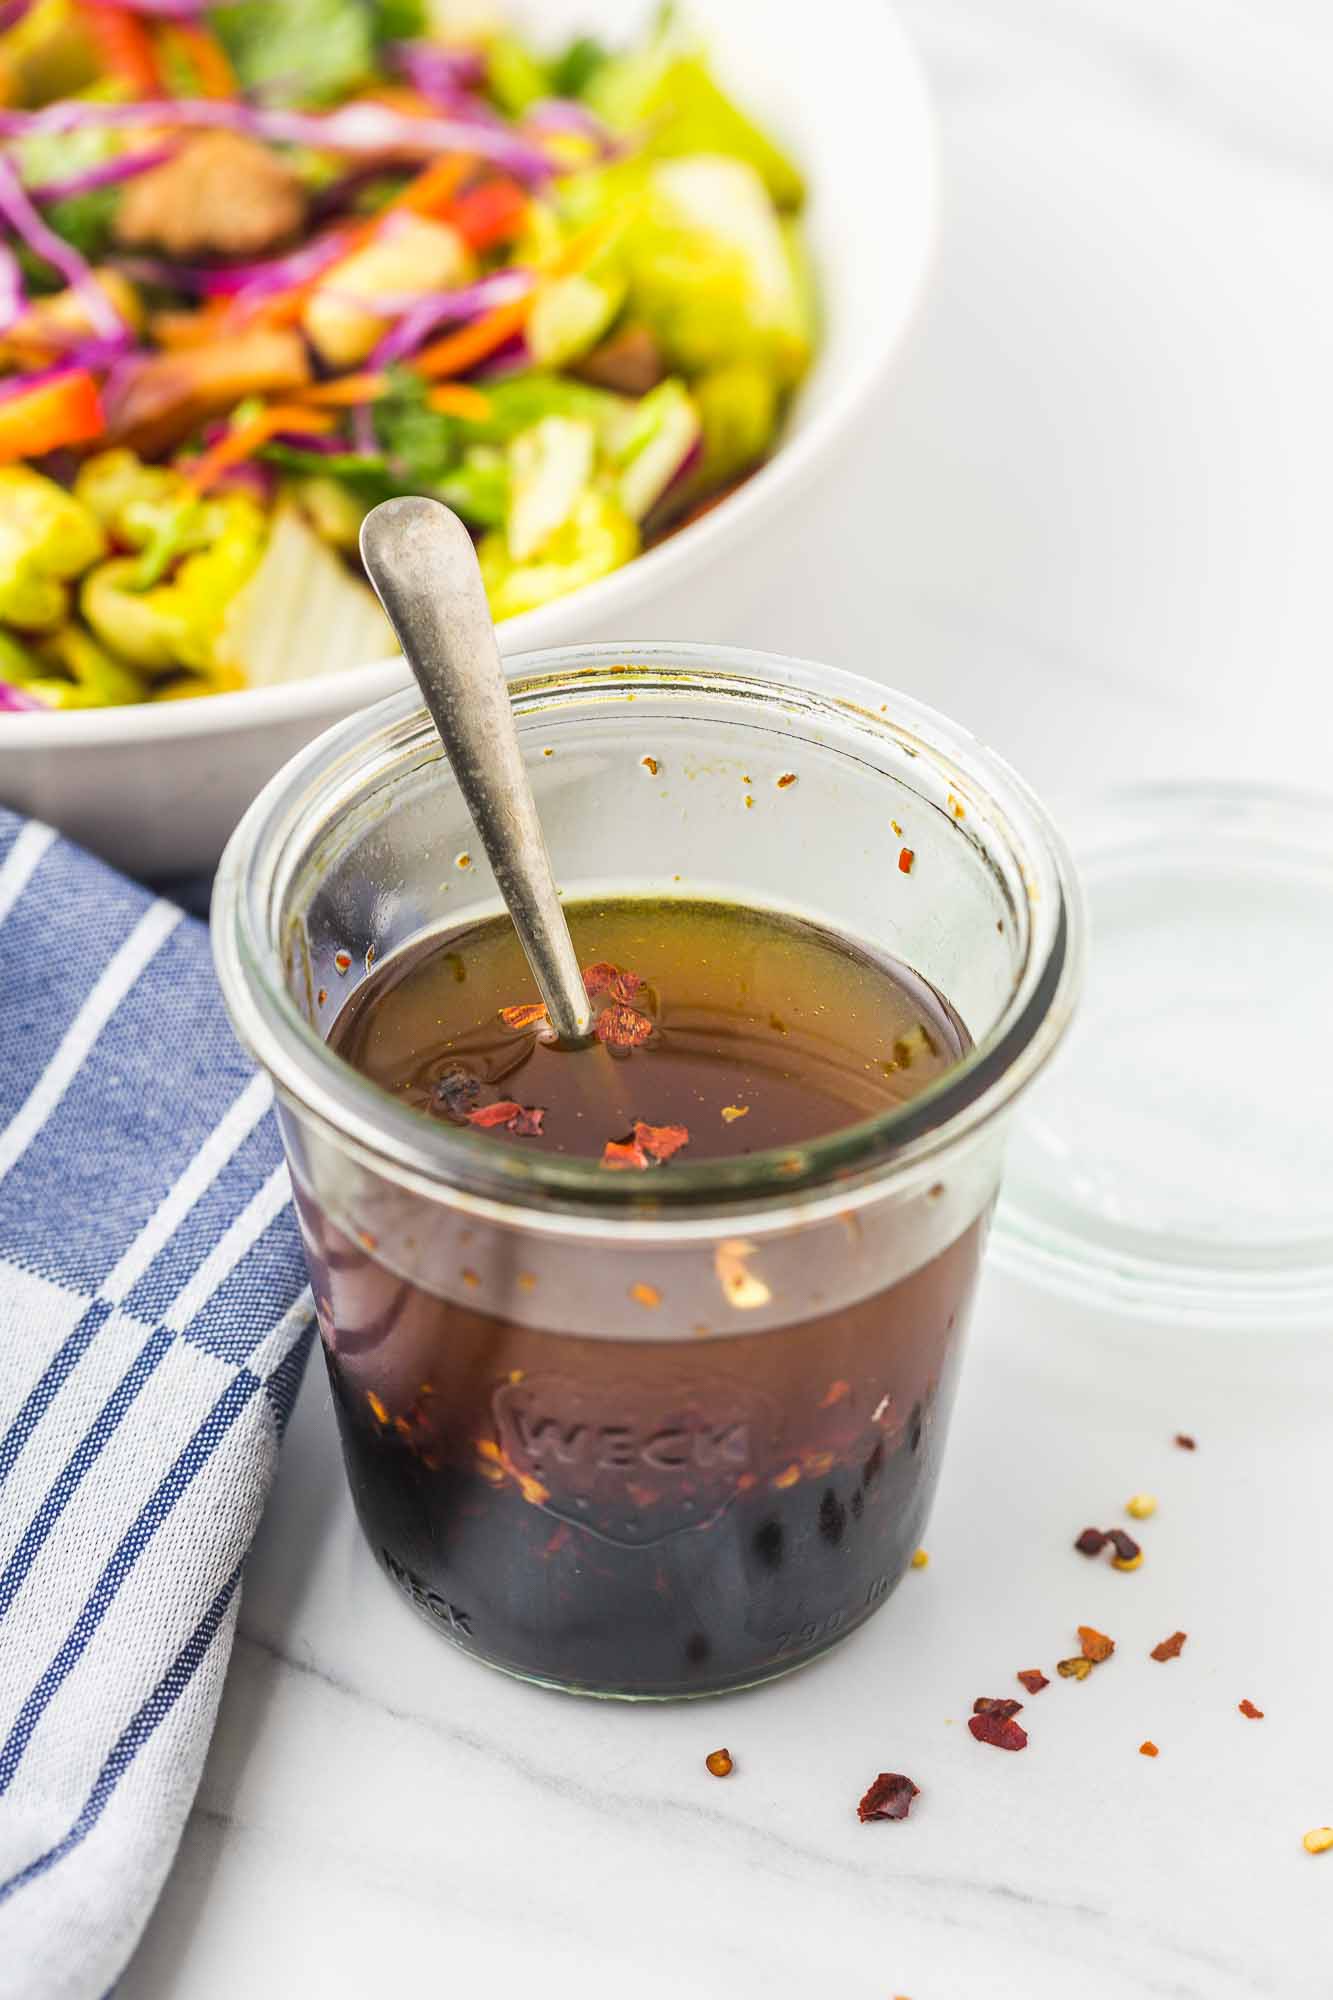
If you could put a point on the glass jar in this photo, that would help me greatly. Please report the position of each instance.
(669, 1438)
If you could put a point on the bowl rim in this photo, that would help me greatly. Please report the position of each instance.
(564, 621)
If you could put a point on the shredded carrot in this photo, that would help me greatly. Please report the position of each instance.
(459, 399)
(345, 390)
(245, 440)
(203, 52)
(125, 46)
(459, 351)
(429, 192)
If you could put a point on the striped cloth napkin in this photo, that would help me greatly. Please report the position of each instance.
(154, 1322)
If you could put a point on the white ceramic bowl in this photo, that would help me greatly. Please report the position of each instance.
(157, 789)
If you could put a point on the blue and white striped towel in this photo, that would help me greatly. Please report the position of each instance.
(154, 1321)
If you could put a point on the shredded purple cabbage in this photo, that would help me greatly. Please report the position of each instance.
(23, 219)
(13, 296)
(421, 315)
(447, 78)
(167, 10)
(353, 128)
(513, 358)
(248, 283)
(563, 114)
(14, 700)
(122, 168)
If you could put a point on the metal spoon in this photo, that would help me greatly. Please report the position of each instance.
(422, 563)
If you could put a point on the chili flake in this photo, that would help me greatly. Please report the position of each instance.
(834, 1394)
(719, 1763)
(342, 961)
(1169, 1649)
(621, 1154)
(1185, 1442)
(920, 1559)
(528, 1123)
(622, 1027)
(650, 765)
(1076, 1669)
(1128, 1554)
(889, 1797)
(1318, 1840)
(1096, 1646)
(645, 1295)
(788, 1476)
(322, 995)
(1092, 1541)
(377, 1409)
(1148, 1749)
(906, 860)
(1001, 1705)
(897, 829)
(525, 1015)
(996, 1726)
(731, 1112)
(525, 1120)
(1033, 1679)
(1248, 1708)
(1140, 1507)
(659, 1142)
(787, 778)
(463, 860)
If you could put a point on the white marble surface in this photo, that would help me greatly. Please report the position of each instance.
(1093, 520)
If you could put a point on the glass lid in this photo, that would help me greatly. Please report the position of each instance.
(1176, 1159)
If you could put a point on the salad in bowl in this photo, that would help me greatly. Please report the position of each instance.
(262, 266)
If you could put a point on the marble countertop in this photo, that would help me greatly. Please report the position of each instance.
(1091, 517)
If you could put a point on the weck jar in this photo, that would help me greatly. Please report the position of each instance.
(675, 1438)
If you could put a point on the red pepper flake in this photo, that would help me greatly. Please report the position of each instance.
(525, 1015)
(906, 860)
(645, 1295)
(322, 995)
(622, 1154)
(889, 1797)
(1128, 1554)
(1092, 1541)
(1169, 1649)
(834, 1394)
(601, 977)
(659, 1142)
(650, 765)
(1185, 1442)
(1148, 1749)
(622, 1027)
(342, 962)
(1248, 1708)
(1002, 1706)
(999, 1729)
(523, 1119)
(787, 778)
(719, 1763)
(1033, 1679)
(1096, 1646)
(1076, 1669)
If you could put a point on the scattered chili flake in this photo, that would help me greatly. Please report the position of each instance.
(528, 1123)
(470, 1278)
(731, 1112)
(526, 1282)
(523, 1119)
(998, 1729)
(1140, 1506)
(1185, 1442)
(378, 1411)
(525, 1015)
(1033, 1679)
(342, 961)
(622, 1027)
(920, 1559)
(1318, 1840)
(897, 829)
(788, 1476)
(1248, 1708)
(370, 956)
(463, 860)
(1096, 1646)
(322, 995)
(650, 765)
(659, 1142)
(787, 778)
(748, 801)
(889, 1797)
(1147, 1749)
(621, 1154)
(645, 1295)
(834, 1394)
(719, 1763)
(599, 976)
(1092, 1541)
(906, 860)
(1001, 1705)
(1076, 1669)
(1169, 1649)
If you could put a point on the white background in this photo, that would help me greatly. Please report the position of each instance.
(1091, 518)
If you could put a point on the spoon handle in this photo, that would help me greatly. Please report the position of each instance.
(420, 558)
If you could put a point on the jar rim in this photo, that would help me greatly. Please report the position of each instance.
(301, 803)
